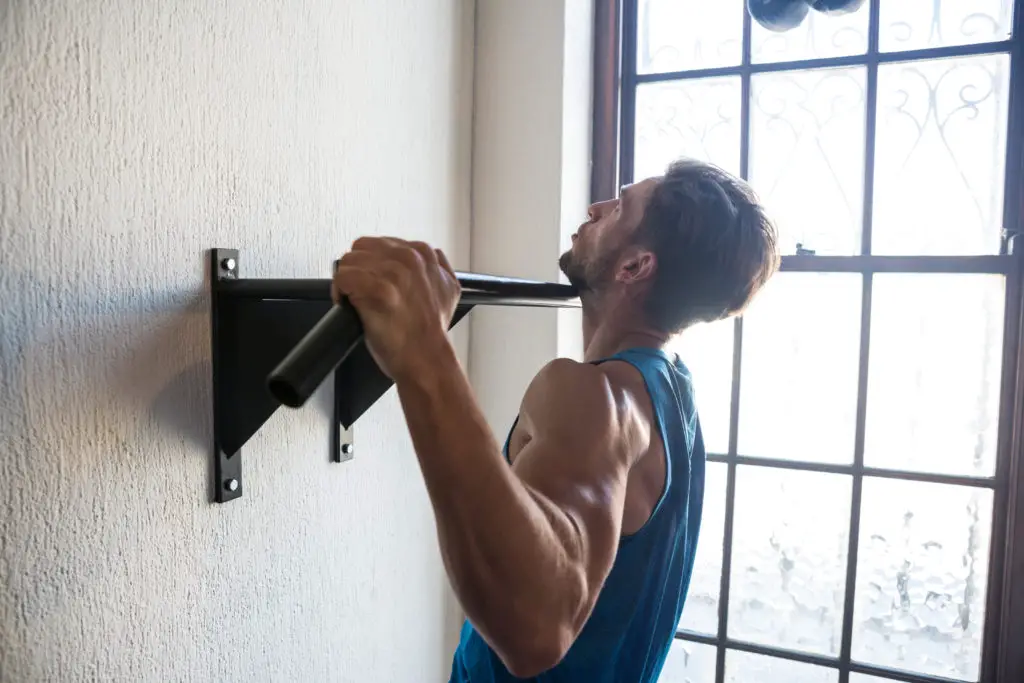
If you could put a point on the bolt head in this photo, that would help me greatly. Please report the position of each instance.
(231, 485)
(228, 264)
(348, 449)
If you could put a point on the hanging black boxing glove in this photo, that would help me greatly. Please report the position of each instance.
(836, 6)
(778, 15)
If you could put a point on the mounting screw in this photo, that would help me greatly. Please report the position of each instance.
(348, 449)
(231, 484)
(228, 264)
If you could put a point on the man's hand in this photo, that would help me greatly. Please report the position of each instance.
(405, 294)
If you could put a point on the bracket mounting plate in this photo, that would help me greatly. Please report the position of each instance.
(227, 476)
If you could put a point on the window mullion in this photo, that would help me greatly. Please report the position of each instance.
(730, 501)
(870, 116)
(849, 595)
(730, 487)
(627, 110)
(1002, 659)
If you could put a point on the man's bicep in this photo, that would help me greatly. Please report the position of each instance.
(577, 475)
(574, 478)
(574, 455)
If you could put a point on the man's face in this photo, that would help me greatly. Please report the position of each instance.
(600, 243)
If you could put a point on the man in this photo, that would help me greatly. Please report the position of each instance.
(571, 549)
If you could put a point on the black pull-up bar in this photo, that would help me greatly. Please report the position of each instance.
(340, 331)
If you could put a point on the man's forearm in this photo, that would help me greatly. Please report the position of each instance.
(507, 550)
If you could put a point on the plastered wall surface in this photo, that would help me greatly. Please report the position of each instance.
(133, 136)
(531, 175)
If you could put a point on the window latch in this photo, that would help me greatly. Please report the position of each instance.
(1008, 241)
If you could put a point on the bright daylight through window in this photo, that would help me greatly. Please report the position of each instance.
(860, 415)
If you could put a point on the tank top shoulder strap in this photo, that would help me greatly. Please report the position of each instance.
(668, 385)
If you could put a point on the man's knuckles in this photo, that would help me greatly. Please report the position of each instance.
(415, 256)
(362, 287)
(350, 281)
(401, 264)
(426, 253)
(389, 295)
(370, 243)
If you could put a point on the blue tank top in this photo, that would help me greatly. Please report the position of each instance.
(631, 628)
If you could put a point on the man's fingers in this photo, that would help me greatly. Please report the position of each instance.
(369, 243)
(377, 265)
(353, 282)
(426, 253)
(359, 259)
(379, 244)
(376, 288)
(442, 261)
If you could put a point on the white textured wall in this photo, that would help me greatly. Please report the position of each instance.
(133, 136)
(531, 176)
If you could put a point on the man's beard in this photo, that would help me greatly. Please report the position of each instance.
(586, 276)
(574, 270)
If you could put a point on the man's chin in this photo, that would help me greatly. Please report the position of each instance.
(576, 279)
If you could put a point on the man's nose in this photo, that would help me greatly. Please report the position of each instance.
(599, 209)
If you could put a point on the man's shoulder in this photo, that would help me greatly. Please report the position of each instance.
(567, 389)
(566, 374)
(605, 384)
(599, 397)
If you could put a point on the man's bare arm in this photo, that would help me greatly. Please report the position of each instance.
(527, 548)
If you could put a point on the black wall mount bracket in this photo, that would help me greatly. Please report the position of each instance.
(258, 326)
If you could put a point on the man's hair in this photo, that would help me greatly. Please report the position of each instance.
(714, 244)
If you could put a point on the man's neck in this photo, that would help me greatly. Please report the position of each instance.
(607, 330)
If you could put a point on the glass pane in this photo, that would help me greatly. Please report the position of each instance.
(706, 349)
(807, 156)
(682, 35)
(801, 355)
(743, 667)
(698, 119)
(922, 577)
(689, 663)
(916, 24)
(933, 383)
(789, 567)
(700, 612)
(820, 35)
(864, 678)
(940, 155)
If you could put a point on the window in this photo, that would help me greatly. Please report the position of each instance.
(864, 512)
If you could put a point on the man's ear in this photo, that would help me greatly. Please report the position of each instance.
(639, 265)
